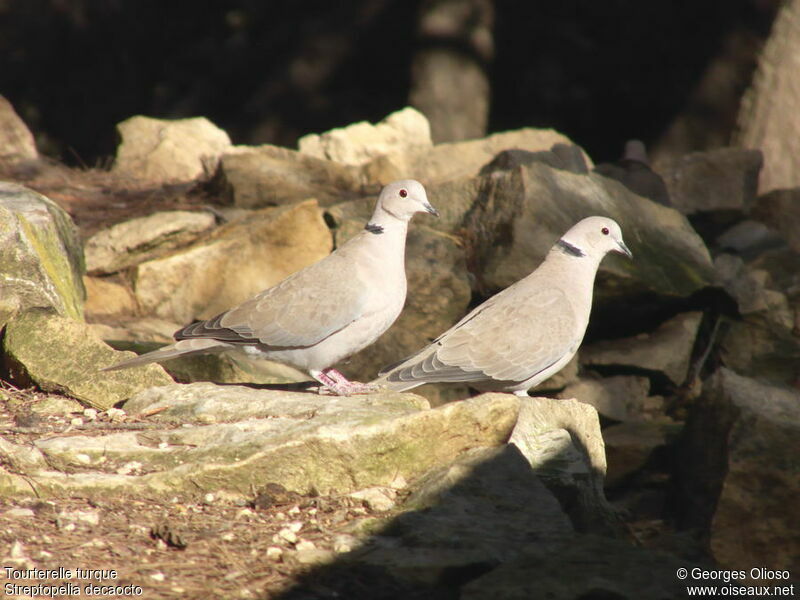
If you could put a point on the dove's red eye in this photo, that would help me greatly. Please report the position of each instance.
(604, 230)
(403, 193)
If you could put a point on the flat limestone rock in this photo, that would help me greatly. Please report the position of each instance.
(41, 258)
(236, 439)
(234, 263)
(621, 397)
(666, 350)
(255, 177)
(61, 355)
(136, 240)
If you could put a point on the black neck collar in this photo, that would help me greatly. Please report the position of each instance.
(568, 248)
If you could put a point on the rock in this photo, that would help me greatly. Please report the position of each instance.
(561, 440)
(722, 180)
(378, 499)
(270, 176)
(764, 342)
(405, 131)
(233, 439)
(666, 350)
(160, 151)
(16, 140)
(486, 506)
(738, 472)
(41, 259)
(621, 398)
(234, 263)
(522, 212)
(137, 240)
(61, 355)
(583, 568)
(629, 446)
(768, 110)
(780, 210)
(438, 296)
(566, 157)
(106, 298)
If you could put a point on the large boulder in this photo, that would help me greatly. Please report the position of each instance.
(233, 440)
(159, 151)
(738, 472)
(41, 258)
(521, 212)
(61, 355)
(233, 263)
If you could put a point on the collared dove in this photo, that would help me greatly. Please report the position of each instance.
(526, 333)
(325, 312)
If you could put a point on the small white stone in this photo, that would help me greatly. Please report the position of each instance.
(295, 526)
(76, 421)
(158, 576)
(209, 498)
(129, 467)
(17, 550)
(286, 535)
(303, 545)
(116, 414)
(163, 445)
(244, 513)
(90, 413)
(344, 543)
(274, 553)
(227, 537)
(84, 459)
(294, 510)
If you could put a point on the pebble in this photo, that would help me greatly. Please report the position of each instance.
(286, 535)
(19, 512)
(274, 553)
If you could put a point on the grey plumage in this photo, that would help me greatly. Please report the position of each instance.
(527, 332)
(325, 312)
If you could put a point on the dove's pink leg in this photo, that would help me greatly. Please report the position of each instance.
(337, 383)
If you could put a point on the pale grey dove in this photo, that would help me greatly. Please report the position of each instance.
(526, 333)
(325, 312)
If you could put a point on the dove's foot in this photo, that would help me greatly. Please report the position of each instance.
(334, 382)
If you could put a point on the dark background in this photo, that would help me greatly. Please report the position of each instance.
(270, 71)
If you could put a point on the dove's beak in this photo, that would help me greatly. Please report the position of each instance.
(623, 249)
(429, 207)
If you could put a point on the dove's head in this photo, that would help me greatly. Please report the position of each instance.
(401, 199)
(594, 236)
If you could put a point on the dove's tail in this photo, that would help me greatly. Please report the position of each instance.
(181, 348)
